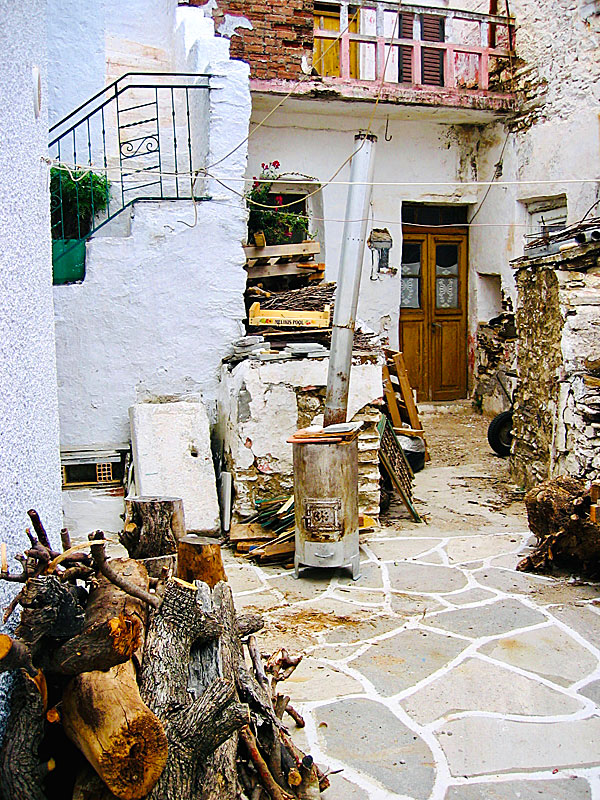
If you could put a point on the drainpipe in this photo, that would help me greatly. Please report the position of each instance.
(348, 282)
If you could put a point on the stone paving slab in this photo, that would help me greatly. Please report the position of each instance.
(481, 745)
(546, 651)
(400, 549)
(569, 789)
(476, 685)
(487, 620)
(414, 577)
(403, 660)
(313, 681)
(370, 739)
(471, 548)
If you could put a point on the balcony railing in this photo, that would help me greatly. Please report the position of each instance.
(141, 137)
(470, 45)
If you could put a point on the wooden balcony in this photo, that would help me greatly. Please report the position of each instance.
(409, 55)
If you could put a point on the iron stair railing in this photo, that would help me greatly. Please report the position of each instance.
(142, 137)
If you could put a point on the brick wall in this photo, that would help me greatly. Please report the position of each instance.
(282, 32)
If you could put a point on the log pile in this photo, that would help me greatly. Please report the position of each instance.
(561, 515)
(135, 686)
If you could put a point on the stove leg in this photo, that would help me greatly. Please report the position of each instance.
(355, 564)
(296, 567)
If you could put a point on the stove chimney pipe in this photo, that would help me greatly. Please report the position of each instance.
(348, 281)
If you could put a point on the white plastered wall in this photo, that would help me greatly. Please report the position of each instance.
(421, 156)
(163, 295)
(29, 452)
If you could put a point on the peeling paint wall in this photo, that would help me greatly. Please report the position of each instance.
(261, 405)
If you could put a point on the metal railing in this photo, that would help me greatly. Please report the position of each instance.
(141, 137)
(468, 41)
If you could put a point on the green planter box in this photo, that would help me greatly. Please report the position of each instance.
(68, 261)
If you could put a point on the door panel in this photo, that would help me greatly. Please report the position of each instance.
(433, 313)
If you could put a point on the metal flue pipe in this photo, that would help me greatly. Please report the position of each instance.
(348, 281)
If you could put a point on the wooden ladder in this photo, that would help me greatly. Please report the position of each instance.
(400, 399)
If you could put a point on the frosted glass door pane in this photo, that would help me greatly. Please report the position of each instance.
(446, 276)
(411, 275)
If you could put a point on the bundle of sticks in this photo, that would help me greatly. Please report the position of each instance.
(130, 685)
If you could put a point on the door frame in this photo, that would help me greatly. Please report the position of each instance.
(418, 232)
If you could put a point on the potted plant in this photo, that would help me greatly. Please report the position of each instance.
(76, 196)
(270, 215)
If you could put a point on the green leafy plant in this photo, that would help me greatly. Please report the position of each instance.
(281, 225)
(75, 198)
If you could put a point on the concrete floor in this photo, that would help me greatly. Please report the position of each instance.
(442, 672)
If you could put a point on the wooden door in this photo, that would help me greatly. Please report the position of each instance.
(433, 312)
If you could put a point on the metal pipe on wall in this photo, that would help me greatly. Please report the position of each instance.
(348, 281)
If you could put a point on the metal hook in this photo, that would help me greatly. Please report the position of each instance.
(385, 136)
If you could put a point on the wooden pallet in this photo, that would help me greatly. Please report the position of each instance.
(400, 399)
(284, 259)
(395, 464)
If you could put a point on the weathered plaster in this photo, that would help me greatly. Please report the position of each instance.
(261, 405)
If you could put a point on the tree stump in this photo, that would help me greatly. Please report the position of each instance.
(153, 526)
(567, 540)
(195, 723)
(103, 714)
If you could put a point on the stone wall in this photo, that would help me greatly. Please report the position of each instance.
(557, 414)
(495, 354)
(539, 329)
(270, 35)
(261, 405)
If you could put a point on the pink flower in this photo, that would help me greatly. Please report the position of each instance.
(279, 200)
(255, 185)
(276, 164)
(264, 166)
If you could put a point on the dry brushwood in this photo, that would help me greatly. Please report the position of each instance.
(567, 540)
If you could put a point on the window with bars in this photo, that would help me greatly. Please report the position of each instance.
(82, 471)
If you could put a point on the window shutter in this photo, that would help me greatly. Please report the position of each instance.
(405, 60)
(432, 60)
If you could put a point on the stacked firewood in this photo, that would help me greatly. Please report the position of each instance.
(131, 680)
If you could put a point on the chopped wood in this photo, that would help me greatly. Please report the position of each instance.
(199, 558)
(267, 780)
(104, 715)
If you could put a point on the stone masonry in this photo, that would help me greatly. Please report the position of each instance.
(557, 413)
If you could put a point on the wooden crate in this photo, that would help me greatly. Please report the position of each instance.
(295, 319)
(283, 259)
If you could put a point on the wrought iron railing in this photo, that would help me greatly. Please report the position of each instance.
(144, 136)
(429, 46)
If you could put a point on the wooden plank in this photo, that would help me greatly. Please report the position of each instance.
(252, 531)
(302, 248)
(266, 270)
(390, 396)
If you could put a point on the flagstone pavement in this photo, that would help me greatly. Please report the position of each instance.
(442, 673)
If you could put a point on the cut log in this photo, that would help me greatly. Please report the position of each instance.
(50, 609)
(15, 655)
(103, 714)
(113, 627)
(195, 728)
(153, 526)
(21, 771)
(199, 559)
